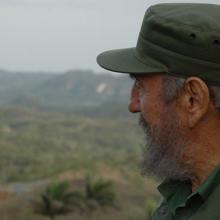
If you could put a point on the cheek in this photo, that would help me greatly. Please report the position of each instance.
(151, 109)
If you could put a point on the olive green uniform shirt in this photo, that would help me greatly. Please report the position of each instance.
(180, 203)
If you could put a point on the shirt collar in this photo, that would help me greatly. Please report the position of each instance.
(177, 193)
(210, 184)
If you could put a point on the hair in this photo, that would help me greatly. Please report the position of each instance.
(173, 85)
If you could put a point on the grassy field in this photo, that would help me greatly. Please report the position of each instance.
(40, 147)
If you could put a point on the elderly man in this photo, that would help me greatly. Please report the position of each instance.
(176, 72)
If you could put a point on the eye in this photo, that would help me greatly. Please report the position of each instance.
(137, 83)
(139, 87)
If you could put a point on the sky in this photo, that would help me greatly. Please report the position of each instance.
(60, 35)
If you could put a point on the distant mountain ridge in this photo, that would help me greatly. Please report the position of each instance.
(74, 89)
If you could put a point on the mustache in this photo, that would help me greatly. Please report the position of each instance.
(143, 124)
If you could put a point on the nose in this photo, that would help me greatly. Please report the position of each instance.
(134, 105)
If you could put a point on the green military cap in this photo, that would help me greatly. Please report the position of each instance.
(182, 39)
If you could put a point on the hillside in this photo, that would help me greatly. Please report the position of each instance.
(56, 127)
(13, 84)
(37, 144)
(72, 90)
(38, 147)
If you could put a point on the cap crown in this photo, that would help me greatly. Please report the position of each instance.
(188, 32)
(182, 39)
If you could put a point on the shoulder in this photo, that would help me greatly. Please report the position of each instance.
(210, 208)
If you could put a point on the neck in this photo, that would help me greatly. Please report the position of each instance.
(202, 175)
(202, 157)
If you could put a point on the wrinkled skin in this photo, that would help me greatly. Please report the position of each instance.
(164, 138)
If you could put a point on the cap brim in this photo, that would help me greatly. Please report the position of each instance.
(125, 61)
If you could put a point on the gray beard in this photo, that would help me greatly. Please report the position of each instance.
(164, 148)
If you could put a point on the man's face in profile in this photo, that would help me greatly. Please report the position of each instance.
(162, 127)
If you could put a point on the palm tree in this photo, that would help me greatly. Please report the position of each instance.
(57, 199)
(99, 192)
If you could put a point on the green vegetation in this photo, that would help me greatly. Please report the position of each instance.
(55, 129)
(150, 205)
(57, 199)
(100, 192)
(40, 147)
(36, 145)
(60, 199)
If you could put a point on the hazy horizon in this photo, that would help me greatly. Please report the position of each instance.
(56, 36)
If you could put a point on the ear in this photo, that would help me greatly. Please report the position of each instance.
(196, 100)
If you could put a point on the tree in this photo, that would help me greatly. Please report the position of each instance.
(57, 199)
(99, 192)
